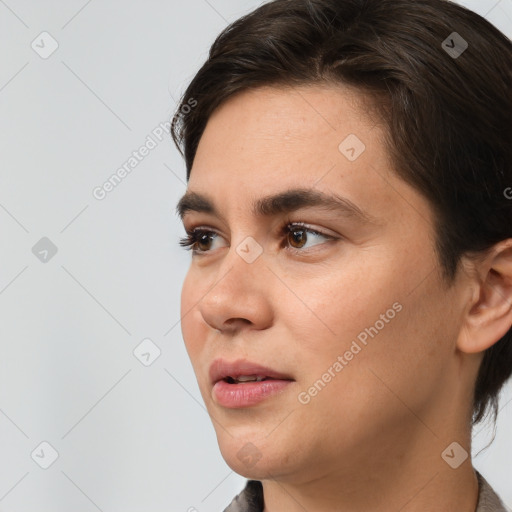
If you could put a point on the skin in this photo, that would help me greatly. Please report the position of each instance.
(372, 438)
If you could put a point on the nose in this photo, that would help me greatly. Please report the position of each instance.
(239, 297)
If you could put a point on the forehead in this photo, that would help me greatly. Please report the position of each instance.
(293, 132)
(288, 118)
(319, 137)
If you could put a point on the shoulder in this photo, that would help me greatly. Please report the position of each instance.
(250, 499)
(488, 500)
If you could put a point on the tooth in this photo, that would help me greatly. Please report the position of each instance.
(246, 378)
(249, 378)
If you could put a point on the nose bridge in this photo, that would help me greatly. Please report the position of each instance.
(238, 292)
(243, 267)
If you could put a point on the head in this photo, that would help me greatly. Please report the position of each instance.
(379, 103)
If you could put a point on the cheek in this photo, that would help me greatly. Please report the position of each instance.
(192, 327)
(385, 333)
(334, 307)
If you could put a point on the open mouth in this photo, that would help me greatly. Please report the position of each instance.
(246, 378)
(241, 371)
(237, 391)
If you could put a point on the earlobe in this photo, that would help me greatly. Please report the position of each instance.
(489, 315)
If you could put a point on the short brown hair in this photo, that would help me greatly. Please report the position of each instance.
(447, 109)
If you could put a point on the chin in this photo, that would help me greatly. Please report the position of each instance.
(252, 456)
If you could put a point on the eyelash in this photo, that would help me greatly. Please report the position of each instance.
(189, 242)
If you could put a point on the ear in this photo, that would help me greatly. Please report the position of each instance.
(489, 313)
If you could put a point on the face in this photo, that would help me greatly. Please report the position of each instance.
(340, 304)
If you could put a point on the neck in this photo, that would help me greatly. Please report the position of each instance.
(411, 477)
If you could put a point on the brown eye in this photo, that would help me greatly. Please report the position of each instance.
(199, 241)
(203, 242)
(298, 237)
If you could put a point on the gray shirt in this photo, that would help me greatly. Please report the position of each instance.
(251, 498)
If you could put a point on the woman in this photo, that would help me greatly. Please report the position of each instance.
(348, 307)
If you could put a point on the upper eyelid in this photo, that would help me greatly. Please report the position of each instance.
(282, 228)
(281, 232)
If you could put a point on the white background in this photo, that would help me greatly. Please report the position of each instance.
(129, 437)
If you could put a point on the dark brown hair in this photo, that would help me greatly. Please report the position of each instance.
(448, 112)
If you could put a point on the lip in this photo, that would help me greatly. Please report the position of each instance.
(245, 394)
(220, 369)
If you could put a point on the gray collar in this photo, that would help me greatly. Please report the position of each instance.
(251, 498)
(488, 500)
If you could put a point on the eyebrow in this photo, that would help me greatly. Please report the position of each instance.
(281, 203)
